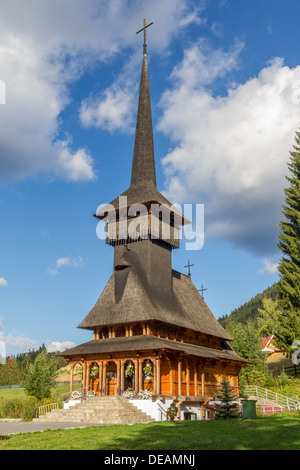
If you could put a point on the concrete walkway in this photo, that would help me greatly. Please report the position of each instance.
(16, 427)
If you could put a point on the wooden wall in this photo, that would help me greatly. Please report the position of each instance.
(172, 375)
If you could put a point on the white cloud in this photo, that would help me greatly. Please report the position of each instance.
(75, 165)
(269, 267)
(36, 95)
(57, 346)
(111, 111)
(72, 262)
(47, 46)
(230, 151)
(21, 342)
(3, 282)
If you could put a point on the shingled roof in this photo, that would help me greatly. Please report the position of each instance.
(130, 298)
(144, 343)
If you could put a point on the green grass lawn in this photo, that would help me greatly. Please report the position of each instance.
(278, 432)
(10, 393)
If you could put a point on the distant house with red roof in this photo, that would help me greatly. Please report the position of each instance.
(268, 345)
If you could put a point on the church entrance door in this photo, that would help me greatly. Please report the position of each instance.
(111, 379)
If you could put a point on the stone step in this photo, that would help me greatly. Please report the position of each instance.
(99, 410)
(92, 416)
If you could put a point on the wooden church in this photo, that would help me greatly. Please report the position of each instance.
(152, 330)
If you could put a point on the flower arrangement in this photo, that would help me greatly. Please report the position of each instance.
(94, 371)
(91, 393)
(76, 394)
(129, 370)
(144, 394)
(148, 370)
(129, 393)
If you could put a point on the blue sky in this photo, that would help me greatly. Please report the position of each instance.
(225, 92)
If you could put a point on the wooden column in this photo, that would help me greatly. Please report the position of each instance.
(187, 378)
(84, 378)
(195, 379)
(88, 370)
(100, 364)
(179, 377)
(154, 376)
(122, 377)
(141, 373)
(72, 378)
(136, 376)
(118, 378)
(171, 377)
(202, 384)
(104, 380)
(158, 381)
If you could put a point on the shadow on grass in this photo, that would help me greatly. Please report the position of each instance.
(261, 434)
(271, 433)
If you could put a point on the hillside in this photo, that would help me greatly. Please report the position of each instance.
(249, 311)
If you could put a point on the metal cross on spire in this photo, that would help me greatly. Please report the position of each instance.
(202, 290)
(144, 29)
(189, 266)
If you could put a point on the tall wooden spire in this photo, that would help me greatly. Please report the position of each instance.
(143, 164)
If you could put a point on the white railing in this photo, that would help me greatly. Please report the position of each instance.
(162, 412)
(280, 400)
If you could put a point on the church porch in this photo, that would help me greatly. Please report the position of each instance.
(165, 376)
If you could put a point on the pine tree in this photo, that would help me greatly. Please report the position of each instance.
(289, 244)
(226, 407)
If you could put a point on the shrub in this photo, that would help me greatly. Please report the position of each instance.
(172, 412)
(21, 408)
(41, 375)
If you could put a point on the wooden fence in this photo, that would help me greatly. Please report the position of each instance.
(293, 371)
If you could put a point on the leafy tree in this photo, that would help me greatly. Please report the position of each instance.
(246, 344)
(289, 244)
(246, 340)
(41, 375)
(227, 406)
